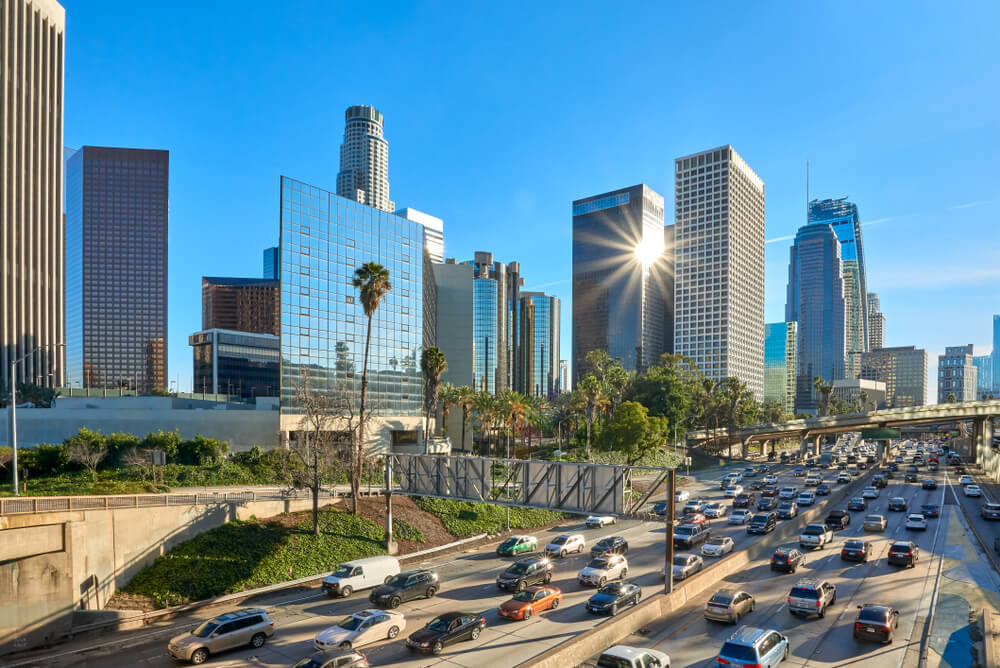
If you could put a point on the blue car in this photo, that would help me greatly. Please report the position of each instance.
(751, 646)
(660, 508)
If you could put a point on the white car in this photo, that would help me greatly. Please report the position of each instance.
(740, 516)
(598, 521)
(716, 509)
(565, 543)
(733, 490)
(869, 493)
(815, 535)
(735, 474)
(788, 493)
(973, 490)
(682, 496)
(806, 498)
(770, 479)
(361, 628)
(916, 521)
(603, 568)
(965, 480)
(623, 655)
(716, 546)
(813, 481)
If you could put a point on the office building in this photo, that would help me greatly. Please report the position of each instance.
(903, 369)
(780, 364)
(719, 261)
(815, 299)
(364, 159)
(861, 394)
(496, 290)
(664, 282)
(995, 352)
(433, 232)
(564, 385)
(32, 235)
(619, 296)
(272, 263)
(539, 345)
(876, 323)
(241, 304)
(116, 267)
(842, 216)
(984, 376)
(454, 315)
(956, 374)
(244, 364)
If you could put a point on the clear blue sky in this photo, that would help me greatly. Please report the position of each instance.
(499, 116)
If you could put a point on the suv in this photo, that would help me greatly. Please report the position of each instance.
(744, 500)
(903, 553)
(234, 629)
(564, 544)
(990, 511)
(525, 572)
(753, 646)
(689, 535)
(876, 622)
(767, 503)
(404, 587)
(837, 519)
(609, 545)
(787, 559)
(812, 597)
(898, 503)
(763, 523)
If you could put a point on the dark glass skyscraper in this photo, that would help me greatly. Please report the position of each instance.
(116, 268)
(241, 304)
(539, 347)
(272, 263)
(995, 353)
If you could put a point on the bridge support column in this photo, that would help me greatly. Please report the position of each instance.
(763, 447)
(816, 441)
(804, 445)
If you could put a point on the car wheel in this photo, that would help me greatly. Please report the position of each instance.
(624, 573)
(736, 618)
(614, 520)
(526, 615)
(475, 633)
(521, 585)
(345, 645)
(555, 603)
(437, 647)
(431, 591)
(562, 553)
(388, 579)
(394, 602)
(200, 656)
(785, 656)
(346, 591)
(393, 632)
(258, 640)
(635, 601)
(614, 609)
(833, 600)
(822, 613)
(580, 549)
(548, 578)
(602, 581)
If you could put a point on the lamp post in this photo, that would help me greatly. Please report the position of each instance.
(13, 409)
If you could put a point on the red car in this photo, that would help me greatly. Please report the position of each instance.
(531, 600)
(694, 518)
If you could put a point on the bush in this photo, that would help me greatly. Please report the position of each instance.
(466, 518)
(168, 441)
(403, 530)
(44, 459)
(201, 450)
(120, 443)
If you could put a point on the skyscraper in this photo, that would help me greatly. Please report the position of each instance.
(272, 263)
(496, 290)
(564, 385)
(539, 354)
(956, 374)
(364, 159)
(843, 216)
(241, 304)
(719, 282)
(619, 294)
(876, 323)
(116, 267)
(32, 236)
(984, 376)
(664, 282)
(815, 300)
(780, 363)
(996, 354)
(903, 369)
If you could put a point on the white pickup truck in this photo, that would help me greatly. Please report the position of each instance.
(623, 656)
(815, 535)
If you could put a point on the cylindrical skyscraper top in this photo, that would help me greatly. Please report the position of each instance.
(364, 159)
(365, 112)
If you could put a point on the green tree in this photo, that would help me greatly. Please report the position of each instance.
(168, 441)
(951, 398)
(671, 388)
(120, 443)
(487, 409)
(633, 433)
(201, 450)
(432, 365)
(87, 448)
(772, 411)
(465, 402)
(824, 390)
(593, 397)
(449, 396)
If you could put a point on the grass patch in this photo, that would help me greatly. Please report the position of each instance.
(466, 518)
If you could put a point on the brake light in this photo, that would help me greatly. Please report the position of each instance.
(818, 603)
(789, 599)
(719, 659)
(751, 665)
(859, 625)
(909, 554)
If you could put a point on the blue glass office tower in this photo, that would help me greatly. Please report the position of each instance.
(272, 263)
(539, 325)
(815, 300)
(995, 353)
(843, 216)
(780, 363)
(984, 375)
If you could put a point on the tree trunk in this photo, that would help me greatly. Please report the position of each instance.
(463, 430)
(315, 492)
(588, 438)
(360, 445)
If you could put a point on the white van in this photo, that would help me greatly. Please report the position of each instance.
(360, 574)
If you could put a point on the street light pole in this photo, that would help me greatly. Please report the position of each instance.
(13, 411)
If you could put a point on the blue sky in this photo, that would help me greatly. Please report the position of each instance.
(499, 116)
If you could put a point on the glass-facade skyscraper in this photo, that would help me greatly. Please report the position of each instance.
(984, 376)
(539, 324)
(116, 268)
(996, 354)
(241, 304)
(272, 263)
(780, 363)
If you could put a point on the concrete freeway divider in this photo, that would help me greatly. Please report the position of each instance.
(594, 641)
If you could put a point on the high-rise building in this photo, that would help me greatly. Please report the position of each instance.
(876, 323)
(539, 345)
(984, 376)
(116, 267)
(664, 282)
(996, 354)
(862, 394)
(719, 261)
(956, 374)
(564, 385)
(619, 294)
(240, 363)
(32, 235)
(903, 369)
(843, 217)
(454, 315)
(241, 304)
(496, 289)
(780, 363)
(815, 299)
(272, 263)
(364, 159)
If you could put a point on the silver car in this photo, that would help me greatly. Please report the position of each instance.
(234, 629)
(686, 565)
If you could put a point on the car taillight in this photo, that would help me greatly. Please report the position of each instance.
(751, 665)
(884, 628)
(859, 625)
(909, 554)
(719, 659)
(818, 603)
(789, 599)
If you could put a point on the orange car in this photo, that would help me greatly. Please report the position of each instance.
(531, 600)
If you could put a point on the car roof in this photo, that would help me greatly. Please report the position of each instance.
(624, 652)
(875, 607)
(747, 635)
(238, 614)
(450, 616)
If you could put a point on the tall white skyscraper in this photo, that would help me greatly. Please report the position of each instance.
(719, 280)
(364, 159)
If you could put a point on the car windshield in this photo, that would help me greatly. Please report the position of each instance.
(525, 596)
(598, 563)
(872, 616)
(350, 623)
(785, 505)
(716, 540)
(899, 547)
(441, 624)
(308, 662)
(559, 540)
(605, 544)
(738, 652)
(759, 519)
(874, 518)
(857, 499)
(899, 499)
(683, 531)
(397, 581)
(613, 589)
(854, 545)
(680, 560)
(916, 518)
(813, 530)
(609, 661)
(804, 592)
(343, 571)
(520, 568)
(205, 629)
(509, 543)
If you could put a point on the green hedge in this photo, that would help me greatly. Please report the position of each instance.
(465, 518)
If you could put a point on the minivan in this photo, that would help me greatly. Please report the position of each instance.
(753, 646)
(360, 574)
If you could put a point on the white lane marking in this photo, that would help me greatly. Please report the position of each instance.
(782, 606)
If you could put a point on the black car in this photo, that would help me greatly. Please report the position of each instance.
(876, 622)
(757, 485)
(893, 466)
(744, 500)
(613, 596)
(857, 503)
(609, 545)
(934, 510)
(660, 508)
(903, 553)
(989, 511)
(446, 629)
(787, 559)
(910, 477)
(880, 481)
(404, 587)
(822, 489)
(898, 504)
(928, 484)
(526, 572)
(763, 522)
(769, 491)
(855, 550)
(767, 503)
(837, 519)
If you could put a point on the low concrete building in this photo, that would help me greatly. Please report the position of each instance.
(850, 389)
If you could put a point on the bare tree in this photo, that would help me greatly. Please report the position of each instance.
(138, 459)
(88, 448)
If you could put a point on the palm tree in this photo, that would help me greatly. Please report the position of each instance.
(593, 397)
(372, 279)
(863, 401)
(824, 389)
(432, 365)
(514, 410)
(449, 395)
(486, 408)
(465, 397)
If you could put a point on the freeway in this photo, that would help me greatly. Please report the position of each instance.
(467, 584)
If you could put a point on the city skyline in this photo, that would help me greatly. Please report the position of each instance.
(492, 200)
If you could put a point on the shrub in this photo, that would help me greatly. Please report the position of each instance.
(201, 450)
(120, 443)
(403, 530)
(168, 441)
(466, 518)
(44, 459)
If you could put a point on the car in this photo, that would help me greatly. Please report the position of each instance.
(740, 516)
(716, 510)
(752, 646)
(407, 586)
(599, 521)
(813, 481)
(929, 510)
(811, 597)
(856, 550)
(524, 573)
(770, 479)
(686, 565)
(756, 485)
(763, 523)
(843, 477)
(344, 658)
(733, 490)
(565, 543)
(787, 510)
(898, 504)
(929, 483)
(767, 503)
(769, 491)
(527, 602)
(823, 489)
(870, 492)
(623, 656)
(788, 493)
(894, 466)
(603, 568)
(515, 545)
(903, 553)
(694, 506)
(729, 605)
(749, 472)
(660, 508)
(815, 535)
(973, 490)
(874, 523)
(609, 545)
(910, 477)
(689, 535)
(446, 629)
(716, 546)
(694, 518)
(879, 481)
(965, 480)
(681, 496)
(806, 499)
(361, 628)
(613, 596)
(876, 622)
(248, 627)
(990, 511)
(787, 559)
(763, 468)
(857, 503)
(798, 472)
(916, 521)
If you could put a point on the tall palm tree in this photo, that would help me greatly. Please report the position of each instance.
(593, 396)
(824, 389)
(465, 397)
(372, 280)
(486, 409)
(449, 395)
(514, 410)
(432, 365)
